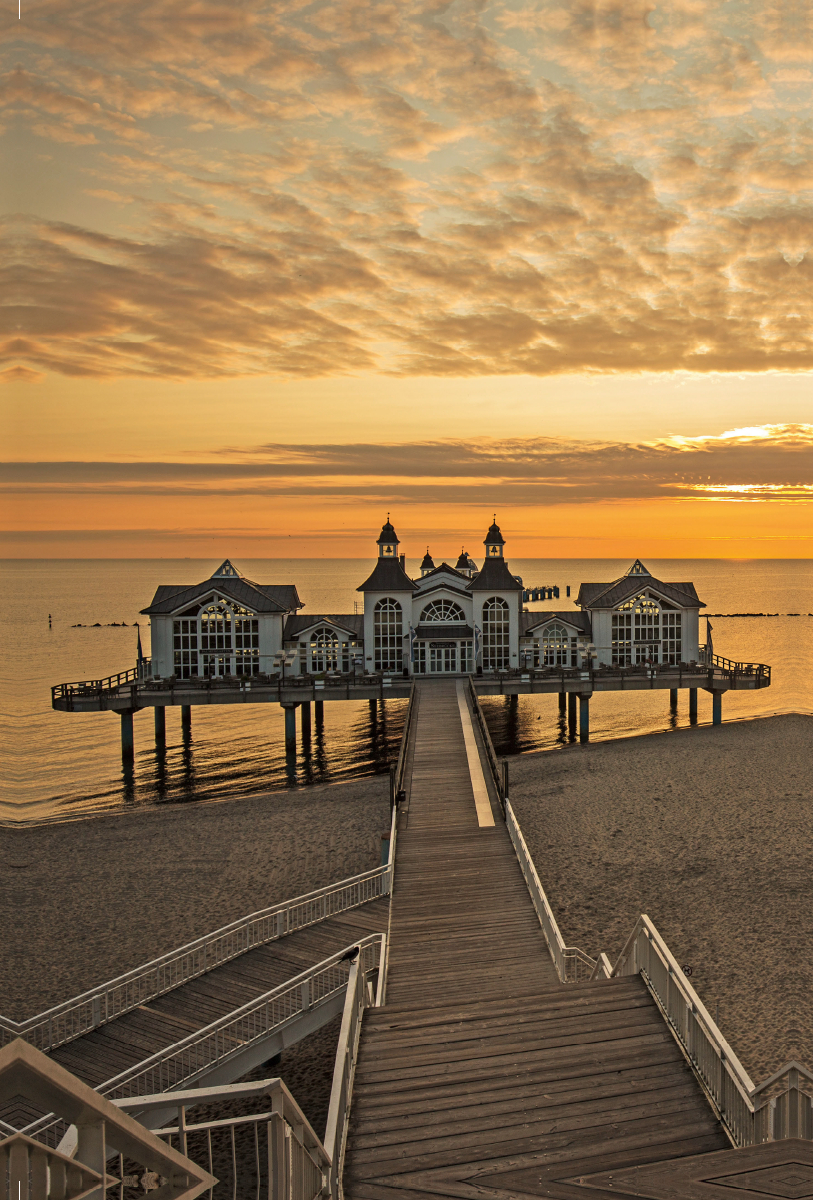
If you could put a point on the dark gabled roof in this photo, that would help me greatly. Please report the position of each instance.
(259, 597)
(446, 569)
(609, 595)
(439, 631)
(531, 621)
(495, 577)
(350, 623)
(388, 576)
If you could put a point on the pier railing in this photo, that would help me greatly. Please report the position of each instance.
(76, 1017)
(760, 672)
(287, 1155)
(200, 1053)
(92, 687)
(497, 770)
(573, 965)
(780, 1107)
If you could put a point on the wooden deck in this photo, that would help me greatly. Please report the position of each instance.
(128, 1040)
(482, 1071)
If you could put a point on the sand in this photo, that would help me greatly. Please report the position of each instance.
(84, 901)
(708, 831)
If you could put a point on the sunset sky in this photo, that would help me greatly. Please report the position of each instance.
(278, 268)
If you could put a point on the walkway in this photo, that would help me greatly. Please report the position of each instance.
(130, 1039)
(482, 1070)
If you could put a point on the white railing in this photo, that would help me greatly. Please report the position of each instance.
(572, 964)
(777, 1108)
(279, 1144)
(230, 1036)
(78, 1016)
(359, 996)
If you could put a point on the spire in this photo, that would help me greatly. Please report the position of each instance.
(494, 541)
(387, 541)
(427, 565)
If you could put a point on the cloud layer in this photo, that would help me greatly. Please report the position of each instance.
(773, 463)
(429, 187)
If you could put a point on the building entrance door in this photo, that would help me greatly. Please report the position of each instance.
(442, 658)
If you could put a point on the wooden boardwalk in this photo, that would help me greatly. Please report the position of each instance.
(483, 1072)
(128, 1040)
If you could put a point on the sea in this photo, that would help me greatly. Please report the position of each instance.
(58, 766)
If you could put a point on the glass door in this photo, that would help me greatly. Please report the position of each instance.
(442, 658)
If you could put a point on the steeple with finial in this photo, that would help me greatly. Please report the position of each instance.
(388, 541)
(427, 565)
(494, 541)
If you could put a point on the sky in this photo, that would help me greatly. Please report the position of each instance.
(273, 270)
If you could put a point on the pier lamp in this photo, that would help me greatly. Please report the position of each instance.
(588, 653)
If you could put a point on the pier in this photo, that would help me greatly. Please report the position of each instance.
(130, 692)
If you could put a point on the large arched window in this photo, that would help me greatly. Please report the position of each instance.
(496, 641)
(388, 630)
(443, 610)
(637, 631)
(554, 647)
(324, 650)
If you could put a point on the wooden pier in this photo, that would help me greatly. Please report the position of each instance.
(482, 1070)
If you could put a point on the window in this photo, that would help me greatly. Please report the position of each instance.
(671, 647)
(388, 630)
(554, 647)
(185, 647)
(324, 651)
(496, 645)
(443, 610)
(622, 639)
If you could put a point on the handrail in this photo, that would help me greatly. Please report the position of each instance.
(572, 965)
(781, 1106)
(230, 1035)
(296, 1154)
(776, 1108)
(135, 675)
(357, 998)
(491, 754)
(77, 1016)
(730, 667)
(400, 767)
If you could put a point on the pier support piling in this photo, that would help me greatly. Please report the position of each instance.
(305, 719)
(319, 712)
(584, 718)
(692, 704)
(160, 727)
(290, 727)
(571, 714)
(563, 702)
(673, 698)
(716, 708)
(127, 745)
(186, 720)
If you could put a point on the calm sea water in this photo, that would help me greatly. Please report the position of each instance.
(56, 765)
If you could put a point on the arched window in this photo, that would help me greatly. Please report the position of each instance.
(637, 631)
(554, 647)
(388, 630)
(443, 610)
(324, 650)
(496, 643)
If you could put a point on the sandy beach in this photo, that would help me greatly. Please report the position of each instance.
(99, 896)
(708, 831)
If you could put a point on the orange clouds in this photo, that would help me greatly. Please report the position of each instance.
(514, 187)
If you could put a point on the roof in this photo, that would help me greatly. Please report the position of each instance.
(441, 631)
(435, 578)
(610, 595)
(495, 577)
(494, 537)
(531, 621)
(387, 534)
(349, 622)
(259, 597)
(388, 576)
(427, 564)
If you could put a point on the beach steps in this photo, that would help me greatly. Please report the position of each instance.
(482, 1070)
(128, 1040)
